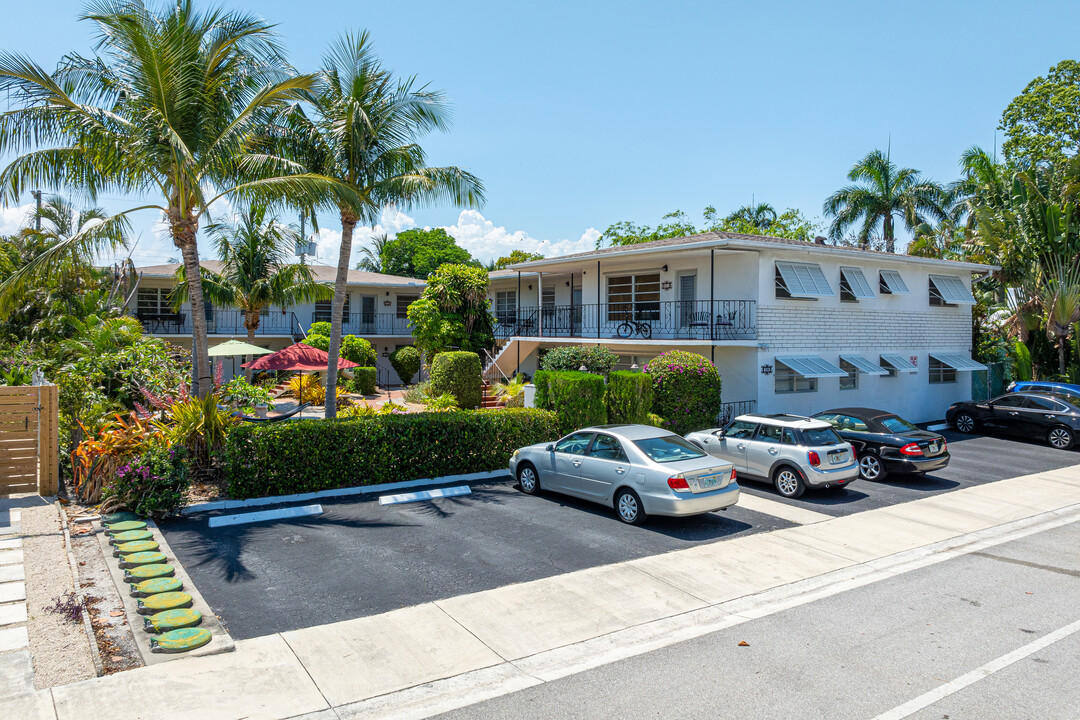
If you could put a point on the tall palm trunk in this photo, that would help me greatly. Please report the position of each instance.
(184, 233)
(890, 242)
(251, 328)
(348, 222)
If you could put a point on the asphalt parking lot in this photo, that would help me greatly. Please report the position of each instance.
(360, 558)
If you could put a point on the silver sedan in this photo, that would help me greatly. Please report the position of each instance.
(637, 469)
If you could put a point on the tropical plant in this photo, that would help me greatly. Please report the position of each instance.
(96, 459)
(515, 257)
(512, 392)
(406, 363)
(167, 106)
(1042, 123)
(200, 426)
(361, 409)
(391, 408)
(364, 132)
(453, 311)
(255, 271)
(371, 257)
(153, 484)
(883, 192)
(686, 390)
(1059, 296)
(239, 394)
(760, 217)
(307, 388)
(443, 403)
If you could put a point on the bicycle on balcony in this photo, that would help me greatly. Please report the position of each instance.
(630, 327)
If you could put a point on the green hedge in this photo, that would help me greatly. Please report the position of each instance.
(363, 381)
(312, 455)
(358, 350)
(629, 397)
(577, 397)
(686, 390)
(457, 373)
(595, 359)
(406, 363)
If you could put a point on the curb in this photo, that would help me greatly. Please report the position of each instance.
(341, 492)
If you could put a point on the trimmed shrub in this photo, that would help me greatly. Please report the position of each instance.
(596, 359)
(319, 328)
(313, 455)
(358, 350)
(406, 363)
(577, 398)
(655, 420)
(629, 397)
(457, 373)
(154, 484)
(363, 381)
(322, 342)
(686, 390)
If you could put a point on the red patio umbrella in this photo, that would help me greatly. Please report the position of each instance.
(297, 357)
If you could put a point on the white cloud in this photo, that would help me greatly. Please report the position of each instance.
(13, 219)
(485, 240)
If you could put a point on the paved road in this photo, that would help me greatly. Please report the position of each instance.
(861, 653)
(360, 558)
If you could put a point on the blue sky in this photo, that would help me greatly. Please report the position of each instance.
(579, 114)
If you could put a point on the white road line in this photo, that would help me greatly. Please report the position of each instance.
(425, 495)
(797, 515)
(935, 428)
(927, 699)
(263, 515)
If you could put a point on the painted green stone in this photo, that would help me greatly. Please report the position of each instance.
(142, 558)
(134, 547)
(153, 586)
(163, 601)
(181, 640)
(131, 536)
(172, 619)
(119, 517)
(144, 572)
(124, 526)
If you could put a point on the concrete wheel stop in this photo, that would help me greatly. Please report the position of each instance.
(167, 615)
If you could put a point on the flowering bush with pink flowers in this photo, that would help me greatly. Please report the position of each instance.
(154, 483)
(686, 390)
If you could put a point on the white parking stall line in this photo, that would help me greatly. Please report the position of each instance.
(425, 495)
(797, 515)
(929, 698)
(263, 515)
(935, 428)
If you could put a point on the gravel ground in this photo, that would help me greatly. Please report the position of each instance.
(59, 646)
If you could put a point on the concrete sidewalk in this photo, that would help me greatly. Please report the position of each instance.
(433, 657)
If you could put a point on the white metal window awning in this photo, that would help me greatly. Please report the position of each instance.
(893, 282)
(811, 366)
(952, 289)
(899, 363)
(856, 282)
(957, 361)
(863, 365)
(804, 279)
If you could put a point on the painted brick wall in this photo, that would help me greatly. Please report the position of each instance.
(791, 328)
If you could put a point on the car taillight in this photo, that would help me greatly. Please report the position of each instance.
(678, 482)
(732, 474)
(814, 458)
(911, 449)
(944, 445)
(853, 455)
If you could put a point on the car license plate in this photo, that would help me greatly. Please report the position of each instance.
(708, 481)
(838, 457)
(934, 448)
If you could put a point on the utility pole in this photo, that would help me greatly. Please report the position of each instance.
(37, 216)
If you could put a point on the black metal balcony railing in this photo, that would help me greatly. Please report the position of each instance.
(361, 323)
(731, 410)
(222, 322)
(667, 320)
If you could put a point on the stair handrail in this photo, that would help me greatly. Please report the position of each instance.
(491, 363)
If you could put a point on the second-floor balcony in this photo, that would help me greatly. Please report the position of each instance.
(222, 322)
(368, 323)
(712, 320)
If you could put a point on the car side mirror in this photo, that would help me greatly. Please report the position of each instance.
(549, 448)
(719, 433)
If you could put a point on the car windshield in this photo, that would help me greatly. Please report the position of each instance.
(671, 448)
(896, 424)
(821, 436)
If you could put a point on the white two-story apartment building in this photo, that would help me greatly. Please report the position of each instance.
(374, 309)
(792, 326)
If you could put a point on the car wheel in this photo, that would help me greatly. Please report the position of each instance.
(964, 423)
(871, 468)
(528, 479)
(628, 507)
(1060, 437)
(789, 482)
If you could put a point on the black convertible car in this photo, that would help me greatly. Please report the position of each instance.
(1039, 416)
(886, 443)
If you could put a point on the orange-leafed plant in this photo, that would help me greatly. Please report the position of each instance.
(96, 459)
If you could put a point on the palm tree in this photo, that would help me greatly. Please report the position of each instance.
(165, 109)
(983, 183)
(1059, 297)
(364, 133)
(884, 192)
(256, 273)
(371, 257)
(760, 216)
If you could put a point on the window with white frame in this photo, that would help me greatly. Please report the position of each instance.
(635, 297)
(851, 380)
(506, 305)
(940, 372)
(324, 309)
(153, 301)
(787, 380)
(403, 303)
(891, 283)
(949, 291)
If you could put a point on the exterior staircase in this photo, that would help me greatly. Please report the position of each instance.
(487, 397)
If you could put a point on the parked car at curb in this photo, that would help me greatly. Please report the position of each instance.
(790, 451)
(1054, 419)
(886, 443)
(637, 469)
(1043, 386)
